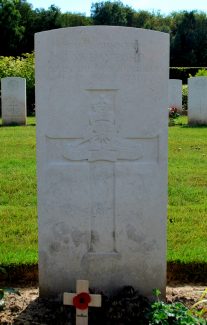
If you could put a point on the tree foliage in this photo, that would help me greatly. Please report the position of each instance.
(189, 39)
(111, 13)
(188, 30)
(19, 22)
(11, 29)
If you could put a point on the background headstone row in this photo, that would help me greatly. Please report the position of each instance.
(197, 99)
(13, 100)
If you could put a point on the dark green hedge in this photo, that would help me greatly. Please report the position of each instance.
(184, 73)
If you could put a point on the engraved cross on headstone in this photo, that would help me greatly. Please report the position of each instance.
(102, 147)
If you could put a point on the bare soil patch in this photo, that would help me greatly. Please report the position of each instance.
(27, 308)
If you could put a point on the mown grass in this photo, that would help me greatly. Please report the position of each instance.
(18, 212)
(187, 209)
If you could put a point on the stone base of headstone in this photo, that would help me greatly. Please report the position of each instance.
(13, 122)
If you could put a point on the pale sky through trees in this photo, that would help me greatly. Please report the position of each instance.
(165, 6)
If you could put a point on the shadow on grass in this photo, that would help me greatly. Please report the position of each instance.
(16, 125)
(187, 273)
(188, 126)
(200, 126)
(11, 275)
(28, 274)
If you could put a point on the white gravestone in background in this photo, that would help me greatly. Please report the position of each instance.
(13, 100)
(197, 100)
(101, 96)
(175, 94)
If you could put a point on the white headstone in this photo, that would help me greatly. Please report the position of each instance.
(175, 94)
(101, 96)
(13, 100)
(197, 101)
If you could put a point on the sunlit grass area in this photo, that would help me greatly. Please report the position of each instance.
(18, 212)
(187, 209)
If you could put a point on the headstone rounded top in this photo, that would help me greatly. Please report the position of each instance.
(104, 29)
(198, 78)
(174, 80)
(13, 78)
(96, 50)
(200, 81)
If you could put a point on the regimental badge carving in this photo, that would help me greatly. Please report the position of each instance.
(102, 141)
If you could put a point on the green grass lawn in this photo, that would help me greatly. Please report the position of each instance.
(187, 210)
(18, 212)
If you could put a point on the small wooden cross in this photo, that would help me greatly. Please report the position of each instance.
(82, 300)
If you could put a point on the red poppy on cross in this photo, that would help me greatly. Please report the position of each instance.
(81, 301)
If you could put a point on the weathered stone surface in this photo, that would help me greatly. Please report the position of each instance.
(101, 96)
(175, 94)
(13, 100)
(197, 101)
